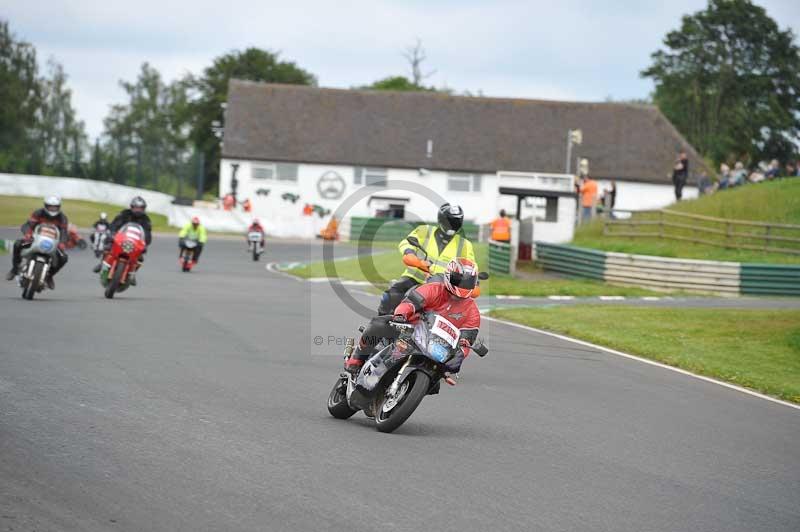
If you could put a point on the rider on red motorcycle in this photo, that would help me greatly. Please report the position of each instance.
(451, 298)
(256, 227)
(49, 214)
(135, 214)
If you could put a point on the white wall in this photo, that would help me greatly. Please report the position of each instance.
(82, 189)
(283, 218)
(104, 192)
(644, 196)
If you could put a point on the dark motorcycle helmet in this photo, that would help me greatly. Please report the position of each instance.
(451, 218)
(138, 205)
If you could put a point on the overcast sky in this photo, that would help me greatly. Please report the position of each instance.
(566, 50)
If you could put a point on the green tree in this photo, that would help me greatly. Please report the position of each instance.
(729, 80)
(211, 91)
(59, 137)
(148, 136)
(20, 94)
(397, 83)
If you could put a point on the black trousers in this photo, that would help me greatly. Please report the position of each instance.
(197, 250)
(679, 184)
(59, 259)
(377, 329)
(394, 295)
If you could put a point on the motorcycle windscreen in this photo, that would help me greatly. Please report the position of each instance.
(439, 340)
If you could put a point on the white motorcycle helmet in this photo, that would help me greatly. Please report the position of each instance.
(52, 206)
(103, 216)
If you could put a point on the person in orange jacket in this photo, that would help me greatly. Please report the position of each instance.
(501, 228)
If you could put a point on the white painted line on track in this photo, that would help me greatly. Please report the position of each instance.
(651, 298)
(508, 297)
(561, 298)
(612, 298)
(646, 361)
(272, 267)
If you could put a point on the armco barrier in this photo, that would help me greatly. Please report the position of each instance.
(770, 279)
(500, 258)
(664, 273)
(571, 260)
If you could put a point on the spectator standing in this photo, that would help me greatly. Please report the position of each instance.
(680, 173)
(588, 192)
(501, 228)
(791, 169)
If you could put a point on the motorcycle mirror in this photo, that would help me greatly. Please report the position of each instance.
(480, 348)
(414, 241)
(483, 276)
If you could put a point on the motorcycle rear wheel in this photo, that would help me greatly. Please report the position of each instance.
(337, 400)
(113, 285)
(419, 383)
(255, 253)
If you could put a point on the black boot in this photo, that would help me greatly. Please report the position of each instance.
(51, 284)
(13, 272)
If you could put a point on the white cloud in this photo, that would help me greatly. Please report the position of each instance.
(573, 49)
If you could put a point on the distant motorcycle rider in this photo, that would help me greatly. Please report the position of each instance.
(451, 298)
(135, 214)
(49, 214)
(101, 223)
(196, 231)
(443, 243)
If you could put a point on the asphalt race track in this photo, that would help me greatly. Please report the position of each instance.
(196, 402)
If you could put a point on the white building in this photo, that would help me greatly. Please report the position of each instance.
(399, 154)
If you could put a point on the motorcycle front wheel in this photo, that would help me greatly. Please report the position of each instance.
(113, 285)
(337, 400)
(394, 411)
(31, 285)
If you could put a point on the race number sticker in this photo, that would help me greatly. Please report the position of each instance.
(446, 331)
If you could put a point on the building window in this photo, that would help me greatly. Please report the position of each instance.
(286, 171)
(279, 171)
(371, 177)
(545, 209)
(464, 182)
(263, 172)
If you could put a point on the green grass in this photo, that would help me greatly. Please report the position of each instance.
(758, 349)
(384, 267)
(14, 210)
(777, 202)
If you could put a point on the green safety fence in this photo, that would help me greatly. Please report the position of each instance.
(769, 279)
(500, 258)
(393, 230)
(572, 260)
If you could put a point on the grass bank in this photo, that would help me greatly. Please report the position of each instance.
(384, 267)
(14, 210)
(758, 349)
(776, 202)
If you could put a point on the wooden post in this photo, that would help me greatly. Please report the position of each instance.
(660, 224)
(728, 235)
(767, 239)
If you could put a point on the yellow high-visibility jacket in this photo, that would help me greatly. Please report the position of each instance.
(191, 233)
(457, 247)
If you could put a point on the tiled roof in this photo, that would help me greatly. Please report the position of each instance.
(474, 134)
